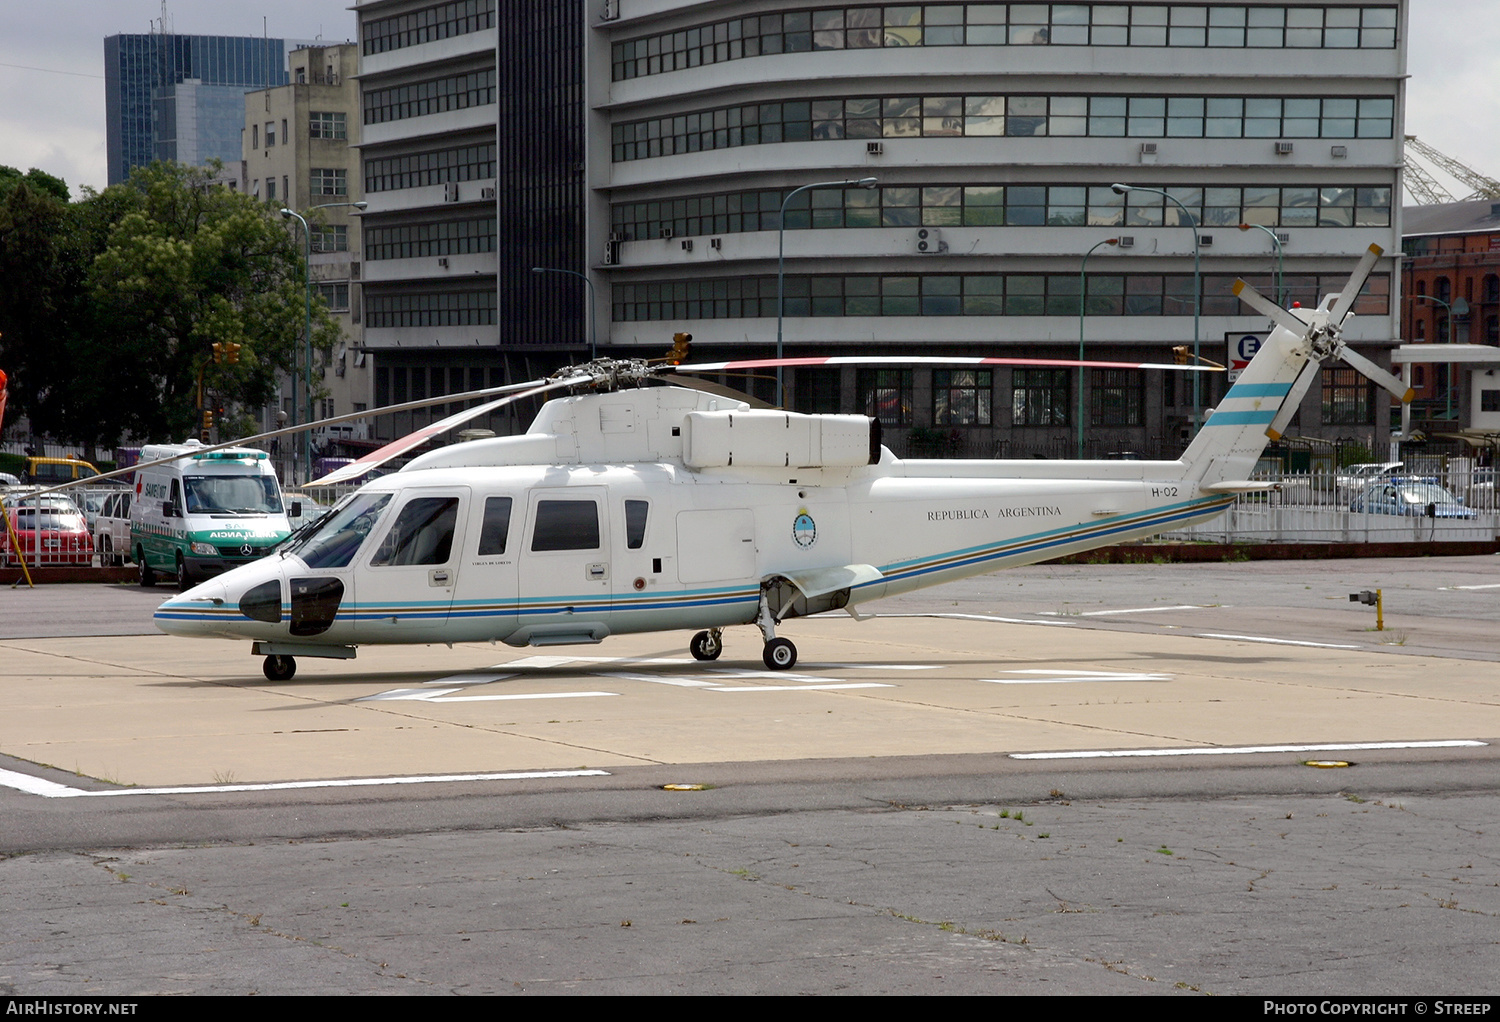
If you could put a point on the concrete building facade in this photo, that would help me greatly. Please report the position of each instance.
(648, 145)
(299, 152)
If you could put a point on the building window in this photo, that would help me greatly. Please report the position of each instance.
(334, 238)
(449, 308)
(335, 296)
(270, 134)
(327, 125)
(270, 189)
(985, 24)
(255, 136)
(469, 163)
(330, 181)
(1491, 289)
(1039, 397)
(886, 394)
(1117, 397)
(1489, 400)
(441, 21)
(961, 397)
(833, 118)
(457, 92)
(1348, 398)
(454, 237)
(818, 391)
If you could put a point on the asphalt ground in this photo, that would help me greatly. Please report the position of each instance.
(866, 826)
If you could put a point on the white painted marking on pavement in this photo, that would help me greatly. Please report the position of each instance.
(1043, 677)
(1279, 642)
(49, 789)
(1132, 610)
(521, 695)
(797, 688)
(1248, 750)
(1492, 585)
(469, 679)
(985, 617)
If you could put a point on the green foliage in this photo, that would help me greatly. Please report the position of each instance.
(118, 299)
(38, 180)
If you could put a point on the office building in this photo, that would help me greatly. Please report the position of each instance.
(181, 97)
(650, 146)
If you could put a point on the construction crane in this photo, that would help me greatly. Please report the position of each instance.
(1427, 191)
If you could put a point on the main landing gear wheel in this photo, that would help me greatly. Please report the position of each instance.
(144, 574)
(780, 654)
(280, 668)
(706, 645)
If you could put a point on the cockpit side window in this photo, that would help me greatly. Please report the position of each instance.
(333, 543)
(421, 534)
(496, 526)
(635, 523)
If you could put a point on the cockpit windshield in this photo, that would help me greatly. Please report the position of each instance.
(335, 540)
(233, 494)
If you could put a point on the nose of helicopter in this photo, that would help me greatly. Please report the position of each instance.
(225, 606)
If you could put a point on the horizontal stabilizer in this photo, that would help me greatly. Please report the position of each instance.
(1237, 486)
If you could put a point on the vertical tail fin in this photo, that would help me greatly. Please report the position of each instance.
(1230, 442)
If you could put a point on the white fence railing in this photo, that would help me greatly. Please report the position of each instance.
(1314, 508)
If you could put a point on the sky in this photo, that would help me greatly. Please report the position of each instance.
(52, 72)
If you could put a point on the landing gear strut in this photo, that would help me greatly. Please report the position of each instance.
(707, 645)
(280, 668)
(779, 654)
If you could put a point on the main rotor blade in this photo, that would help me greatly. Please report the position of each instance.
(414, 439)
(405, 406)
(1350, 294)
(907, 360)
(1293, 399)
(1394, 384)
(1263, 305)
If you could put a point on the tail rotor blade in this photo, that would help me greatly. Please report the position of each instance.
(1293, 400)
(1351, 290)
(1263, 305)
(1394, 384)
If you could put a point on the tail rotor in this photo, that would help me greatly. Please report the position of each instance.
(1320, 331)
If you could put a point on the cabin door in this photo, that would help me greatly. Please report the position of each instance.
(565, 562)
(406, 587)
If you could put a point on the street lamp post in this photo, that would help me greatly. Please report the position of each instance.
(1459, 308)
(1083, 297)
(1120, 189)
(1280, 297)
(307, 328)
(864, 182)
(593, 320)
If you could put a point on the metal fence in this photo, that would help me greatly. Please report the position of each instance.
(1315, 508)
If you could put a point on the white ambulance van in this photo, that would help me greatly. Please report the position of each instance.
(204, 513)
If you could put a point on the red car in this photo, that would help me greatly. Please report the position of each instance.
(65, 536)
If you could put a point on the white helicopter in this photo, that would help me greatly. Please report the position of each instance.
(631, 506)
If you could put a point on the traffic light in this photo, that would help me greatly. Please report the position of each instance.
(208, 419)
(680, 344)
(232, 352)
(1182, 355)
(218, 352)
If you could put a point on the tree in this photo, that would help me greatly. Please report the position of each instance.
(119, 298)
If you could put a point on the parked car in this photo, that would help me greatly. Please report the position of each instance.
(302, 509)
(1353, 480)
(1398, 496)
(64, 538)
(111, 529)
(6, 479)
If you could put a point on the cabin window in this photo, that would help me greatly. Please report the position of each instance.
(566, 525)
(635, 523)
(496, 526)
(422, 534)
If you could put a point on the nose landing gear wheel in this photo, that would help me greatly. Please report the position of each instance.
(706, 646)
(780, 654)
(280, 668)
